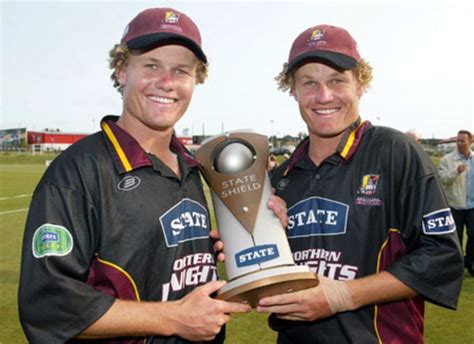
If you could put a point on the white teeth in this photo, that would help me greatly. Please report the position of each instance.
(162, 99)
(326, 111)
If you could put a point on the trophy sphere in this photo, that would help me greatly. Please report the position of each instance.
(234, 158)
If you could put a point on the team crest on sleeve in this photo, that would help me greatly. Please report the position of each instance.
(439, 222)
(317, 216)
(51, 240)
(185, 221)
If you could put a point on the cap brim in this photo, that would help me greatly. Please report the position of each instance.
(338, 60)
(160, 39)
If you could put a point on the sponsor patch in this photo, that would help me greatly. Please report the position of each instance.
(256, 255)
(51, 240)
(439, 222)
(185, 221)
(128, 183)
(317, 216)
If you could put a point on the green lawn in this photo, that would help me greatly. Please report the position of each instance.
(15, 180)
(18, 177)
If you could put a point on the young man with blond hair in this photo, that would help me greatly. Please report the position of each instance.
(117, 241)
(365, 208)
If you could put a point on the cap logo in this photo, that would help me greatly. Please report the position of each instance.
(316, 35)
(171, 17)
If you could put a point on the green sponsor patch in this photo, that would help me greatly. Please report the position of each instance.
(51, 240)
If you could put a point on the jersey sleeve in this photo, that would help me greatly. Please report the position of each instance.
(433, 264)
(55, 302)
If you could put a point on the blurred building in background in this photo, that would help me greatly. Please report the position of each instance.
(48, 140)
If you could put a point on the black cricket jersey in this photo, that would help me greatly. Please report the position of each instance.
(374, 205)
(109, 220)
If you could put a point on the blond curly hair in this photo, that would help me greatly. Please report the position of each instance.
(362, 72)
(118, 59)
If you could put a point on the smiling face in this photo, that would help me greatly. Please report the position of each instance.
(328, 99)
(157, 88)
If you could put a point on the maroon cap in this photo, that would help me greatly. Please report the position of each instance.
(326, 42)
(163, 26)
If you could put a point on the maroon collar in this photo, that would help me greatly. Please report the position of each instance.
(346, 148)
(128, 153)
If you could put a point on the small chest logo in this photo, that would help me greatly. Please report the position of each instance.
(282, 184)
(367, 190)
(185, 221)
(128, 183)
(369, 184)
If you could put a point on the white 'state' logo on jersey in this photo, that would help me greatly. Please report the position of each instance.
(186, 220)
(317, 216)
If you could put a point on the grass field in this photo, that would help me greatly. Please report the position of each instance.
(20, 173)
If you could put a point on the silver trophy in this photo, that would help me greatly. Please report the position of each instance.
(258, 260)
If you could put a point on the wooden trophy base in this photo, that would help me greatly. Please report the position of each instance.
(251, 288)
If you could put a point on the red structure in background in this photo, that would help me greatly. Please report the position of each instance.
(187, 141)
(51, 140)
(39, 137)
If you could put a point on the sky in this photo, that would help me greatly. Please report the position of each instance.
(54, 69)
